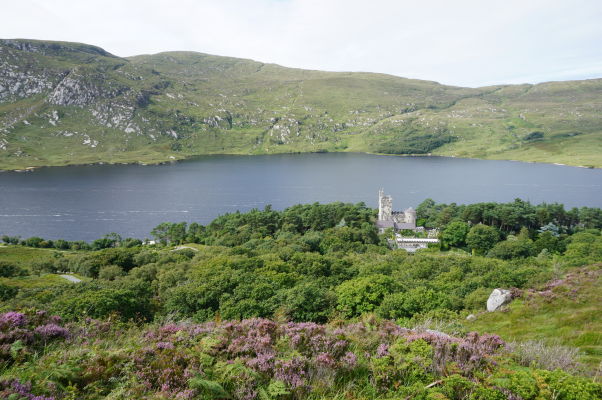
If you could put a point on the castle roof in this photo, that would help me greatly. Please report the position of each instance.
(395, 225)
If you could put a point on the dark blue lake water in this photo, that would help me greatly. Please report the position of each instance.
(89, 201)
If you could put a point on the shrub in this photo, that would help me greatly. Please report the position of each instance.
(43, 266)
(129, 300)
(415, 301)
(511, 249)
(110, 272)
(9, 270)
(477, 299)
(7, 292)
(361, 295)
(308, 302)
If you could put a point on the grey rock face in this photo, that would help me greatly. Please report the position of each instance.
(82, 90)
(15, 83)
(498, 298)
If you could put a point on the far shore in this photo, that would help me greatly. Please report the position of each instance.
(173, 159)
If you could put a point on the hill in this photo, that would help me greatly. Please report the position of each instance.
(67, 103)
(565, 312)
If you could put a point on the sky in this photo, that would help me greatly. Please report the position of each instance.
(457, 42)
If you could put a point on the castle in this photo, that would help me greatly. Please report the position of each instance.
(397, 220)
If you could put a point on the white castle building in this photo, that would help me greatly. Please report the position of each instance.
(403, 220)
(398, 220)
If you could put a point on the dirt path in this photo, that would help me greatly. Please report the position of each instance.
(71, 278)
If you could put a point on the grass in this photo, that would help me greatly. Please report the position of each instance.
(223, 105)
(568, 315)
(23, 256)
(35, 281)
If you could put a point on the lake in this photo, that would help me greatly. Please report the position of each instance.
(86, 202)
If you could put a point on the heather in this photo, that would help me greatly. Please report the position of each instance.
(259, 358)
(24, 333)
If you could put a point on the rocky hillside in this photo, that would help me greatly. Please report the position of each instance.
(66, 103)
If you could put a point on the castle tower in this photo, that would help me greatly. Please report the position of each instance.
(410, 215)
(385, 206)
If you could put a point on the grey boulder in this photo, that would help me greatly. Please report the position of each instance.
(498, 298)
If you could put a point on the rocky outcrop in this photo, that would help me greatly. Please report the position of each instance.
(21, 76)
(498, 298)
(78, 89)
(284, 129)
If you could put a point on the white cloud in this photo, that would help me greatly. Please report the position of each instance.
(462, 42)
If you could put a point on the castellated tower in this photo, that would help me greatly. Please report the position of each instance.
(410, 215)
(385, 206)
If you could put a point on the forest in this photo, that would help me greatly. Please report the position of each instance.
(308, 302)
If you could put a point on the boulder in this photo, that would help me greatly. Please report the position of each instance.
(498, 298)
(471, 317)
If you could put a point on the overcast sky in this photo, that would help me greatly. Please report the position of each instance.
(458, 42)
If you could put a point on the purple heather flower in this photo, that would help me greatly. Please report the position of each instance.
(382, 350)
(165, 345)
(12, 319)
(51, 331)
(292, 372)
(325, 359)
(263, 362)
(170, 328)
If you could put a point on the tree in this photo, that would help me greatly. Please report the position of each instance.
(361, 295)
(454, 235)
(427, 212)
(308, 302)
(167, 232)
(481, 238)
(11, 239)
(414, 301)
(513, 248)
(33, 241)
(548, 240)
(43, 266)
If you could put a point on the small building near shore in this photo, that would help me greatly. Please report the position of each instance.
(411, 244)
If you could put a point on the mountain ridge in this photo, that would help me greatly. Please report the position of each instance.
(67, 103)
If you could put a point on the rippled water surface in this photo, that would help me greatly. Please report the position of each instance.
(86, 202)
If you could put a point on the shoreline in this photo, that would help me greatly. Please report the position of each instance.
(190, 157)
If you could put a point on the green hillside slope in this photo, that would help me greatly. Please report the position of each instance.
(566, 312)
(66, 103)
